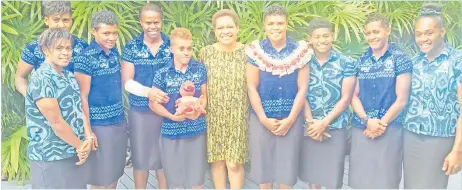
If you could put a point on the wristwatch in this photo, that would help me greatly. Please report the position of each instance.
(364, 120)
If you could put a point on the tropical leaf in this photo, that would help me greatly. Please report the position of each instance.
(348, 18)
(15, 163)
(126, 12)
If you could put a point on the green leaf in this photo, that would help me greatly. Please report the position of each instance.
(9, 29)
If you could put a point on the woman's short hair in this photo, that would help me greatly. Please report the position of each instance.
(225, 12)
(51, 37)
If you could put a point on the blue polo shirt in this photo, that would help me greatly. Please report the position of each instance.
(146, 64)
(377, 83)
(277, 93)
(33, 56)
(45, 82)
(105, 97)
(433, 108)
(326, 84)
(169, 80)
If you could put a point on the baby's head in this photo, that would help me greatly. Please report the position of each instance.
(187, 89)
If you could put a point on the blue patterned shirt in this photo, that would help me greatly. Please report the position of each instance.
(277, 93)
(433, 108)
(105, 97)
(377, 83)
(169, 80)
(33, 56)
(146, 64)
(45, 82)
(325, 86)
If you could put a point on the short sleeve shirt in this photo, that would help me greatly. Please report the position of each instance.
(277, 92)
(433, 108)
(377, 83)
(105, 97)
(169, 80)
(44, 145)
(33, 56)
(146, 64)
(325, 86)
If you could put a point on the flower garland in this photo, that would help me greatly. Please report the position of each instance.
(296, 60)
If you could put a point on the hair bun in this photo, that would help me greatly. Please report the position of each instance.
(431, 8)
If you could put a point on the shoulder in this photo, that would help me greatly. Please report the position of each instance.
(206, 48)
(205, 51)
(41, 76)
(398, 52)
(33, 44)
(77, 40)
(134, 43)
(344, 58)
(197, 64)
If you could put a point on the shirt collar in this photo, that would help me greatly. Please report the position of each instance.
(54, 72)
(164, 37)
(95, 46)
(333, 56)
(447, 52)
(266, 45)
(192, 64)
(386, 54)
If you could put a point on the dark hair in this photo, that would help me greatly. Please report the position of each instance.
(432, 10)
(56, 7)
(275, 9)
(317, 23)
(51, 36)
(374, 17)
(151, 7)
(223, 13)
(103, 17)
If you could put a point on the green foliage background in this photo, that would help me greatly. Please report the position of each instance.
(22, 23)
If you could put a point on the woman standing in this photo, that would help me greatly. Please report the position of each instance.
(55, 122)
(228, 105)
(277, 81)
(143, 56)
(433, 131)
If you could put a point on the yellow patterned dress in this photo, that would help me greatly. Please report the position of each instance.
(227, 104)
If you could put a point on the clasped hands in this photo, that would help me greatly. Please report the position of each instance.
(374, 128)
(317, 129)
(90, 144)
(278, 127)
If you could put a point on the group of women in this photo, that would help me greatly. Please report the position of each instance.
(284, 104)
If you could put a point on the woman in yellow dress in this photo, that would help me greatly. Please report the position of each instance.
(228, 105)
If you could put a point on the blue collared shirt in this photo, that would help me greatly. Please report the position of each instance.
(105, 97)
(146, 64)
(377, 83)
(169, 80)
(325, 86)
(433, 108)
(33, 56)
(45, 82)
(277, 93)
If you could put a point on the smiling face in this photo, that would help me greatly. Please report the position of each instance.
(60, 53)
(226, 30)
(106, 36)
(429, 36)
(276, 28)
(151, 22)
(377, 35)
(321, 40)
